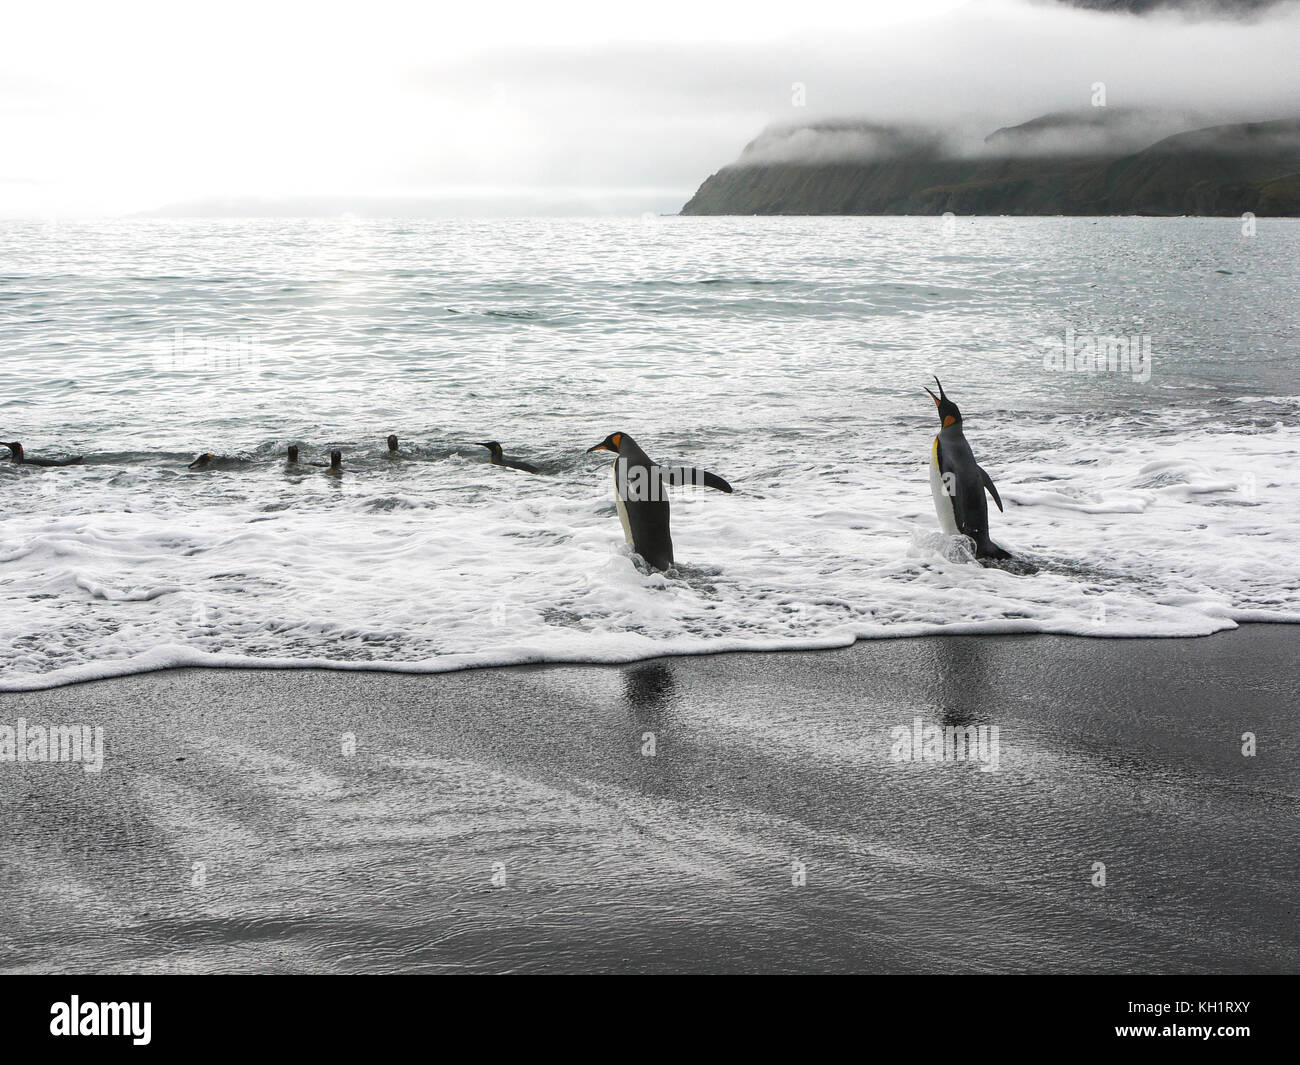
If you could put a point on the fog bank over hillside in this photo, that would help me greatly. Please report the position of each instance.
(1088, 131)
(107, 116)
(1201, 9)
(1072, 164)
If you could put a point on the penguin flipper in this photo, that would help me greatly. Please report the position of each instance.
(712, 480)
(677, 476)
(988, 483)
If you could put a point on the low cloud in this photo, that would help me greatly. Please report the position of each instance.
(108, 127)
(1195, 9)
(841, 141)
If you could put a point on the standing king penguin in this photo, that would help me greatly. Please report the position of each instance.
(639, 491)
(957, 482)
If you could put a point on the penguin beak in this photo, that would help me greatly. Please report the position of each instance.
(602, 446)
(481, 444)
(941, 392)
(932, 396)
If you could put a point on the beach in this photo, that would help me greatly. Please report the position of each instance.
(745, 812)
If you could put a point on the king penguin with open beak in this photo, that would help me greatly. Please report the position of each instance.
(640, 486)
(957, 482)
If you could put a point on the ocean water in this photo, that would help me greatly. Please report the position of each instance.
(787, 355)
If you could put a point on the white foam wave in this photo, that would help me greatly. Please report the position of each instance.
(533, 569)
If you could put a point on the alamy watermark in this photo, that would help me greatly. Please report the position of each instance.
(919, 742)
(201, 354)
(57, 743)
(1079, 352)
(124, 1019)
(645, 484)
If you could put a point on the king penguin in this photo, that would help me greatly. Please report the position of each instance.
(957, 482)
(639, 491)
(498, 458)
(19, 457)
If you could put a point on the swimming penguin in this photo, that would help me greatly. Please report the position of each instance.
(336, 463)
(497, 458)
(292, 457)
(639, 491)
(392, 443)
(19, 458)
(202, 462)
(957, 482)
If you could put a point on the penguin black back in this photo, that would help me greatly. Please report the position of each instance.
(19, 457)
(496, 457)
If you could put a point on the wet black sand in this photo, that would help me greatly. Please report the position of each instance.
(512, 819)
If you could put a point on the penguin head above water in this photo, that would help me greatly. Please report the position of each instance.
(392, 442)
(614, 442)
(948, 412)
(493, 447)
(336, 462)
(15, 450)
(201, 461)
(293, 453)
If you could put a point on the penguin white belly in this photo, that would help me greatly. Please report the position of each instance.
(622, 510)
(942, 500)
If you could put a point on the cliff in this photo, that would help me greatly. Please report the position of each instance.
(1059, 164)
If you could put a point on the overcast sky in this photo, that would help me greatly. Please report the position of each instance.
(122, 107)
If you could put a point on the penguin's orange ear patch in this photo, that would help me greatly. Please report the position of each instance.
(948, 420)
(618, 439)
